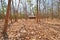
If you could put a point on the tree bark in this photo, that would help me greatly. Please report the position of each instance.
(7, 16)
(37, 12)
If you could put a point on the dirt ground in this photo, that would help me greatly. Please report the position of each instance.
(30, 30)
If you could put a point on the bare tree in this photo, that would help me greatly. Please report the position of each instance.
(39, 10)
(25, 11)
(52, 10)
(59, 9)
(15, 12)
(13, 9)
(18, 7)
(37, 13)
(44, 9)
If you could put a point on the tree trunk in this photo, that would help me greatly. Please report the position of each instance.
(10, 14)
(13, 11)
(52, 10)
(7, 16)
(59, 9)
(25, 10)
(37, 12)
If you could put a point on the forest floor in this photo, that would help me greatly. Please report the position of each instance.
(30, 30)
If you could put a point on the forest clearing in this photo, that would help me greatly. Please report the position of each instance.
(30, 30)
(30, 20)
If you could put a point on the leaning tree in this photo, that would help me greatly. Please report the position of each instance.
(6, 18)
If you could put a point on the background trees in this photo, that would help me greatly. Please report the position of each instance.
(3, 9)
(46, 8)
